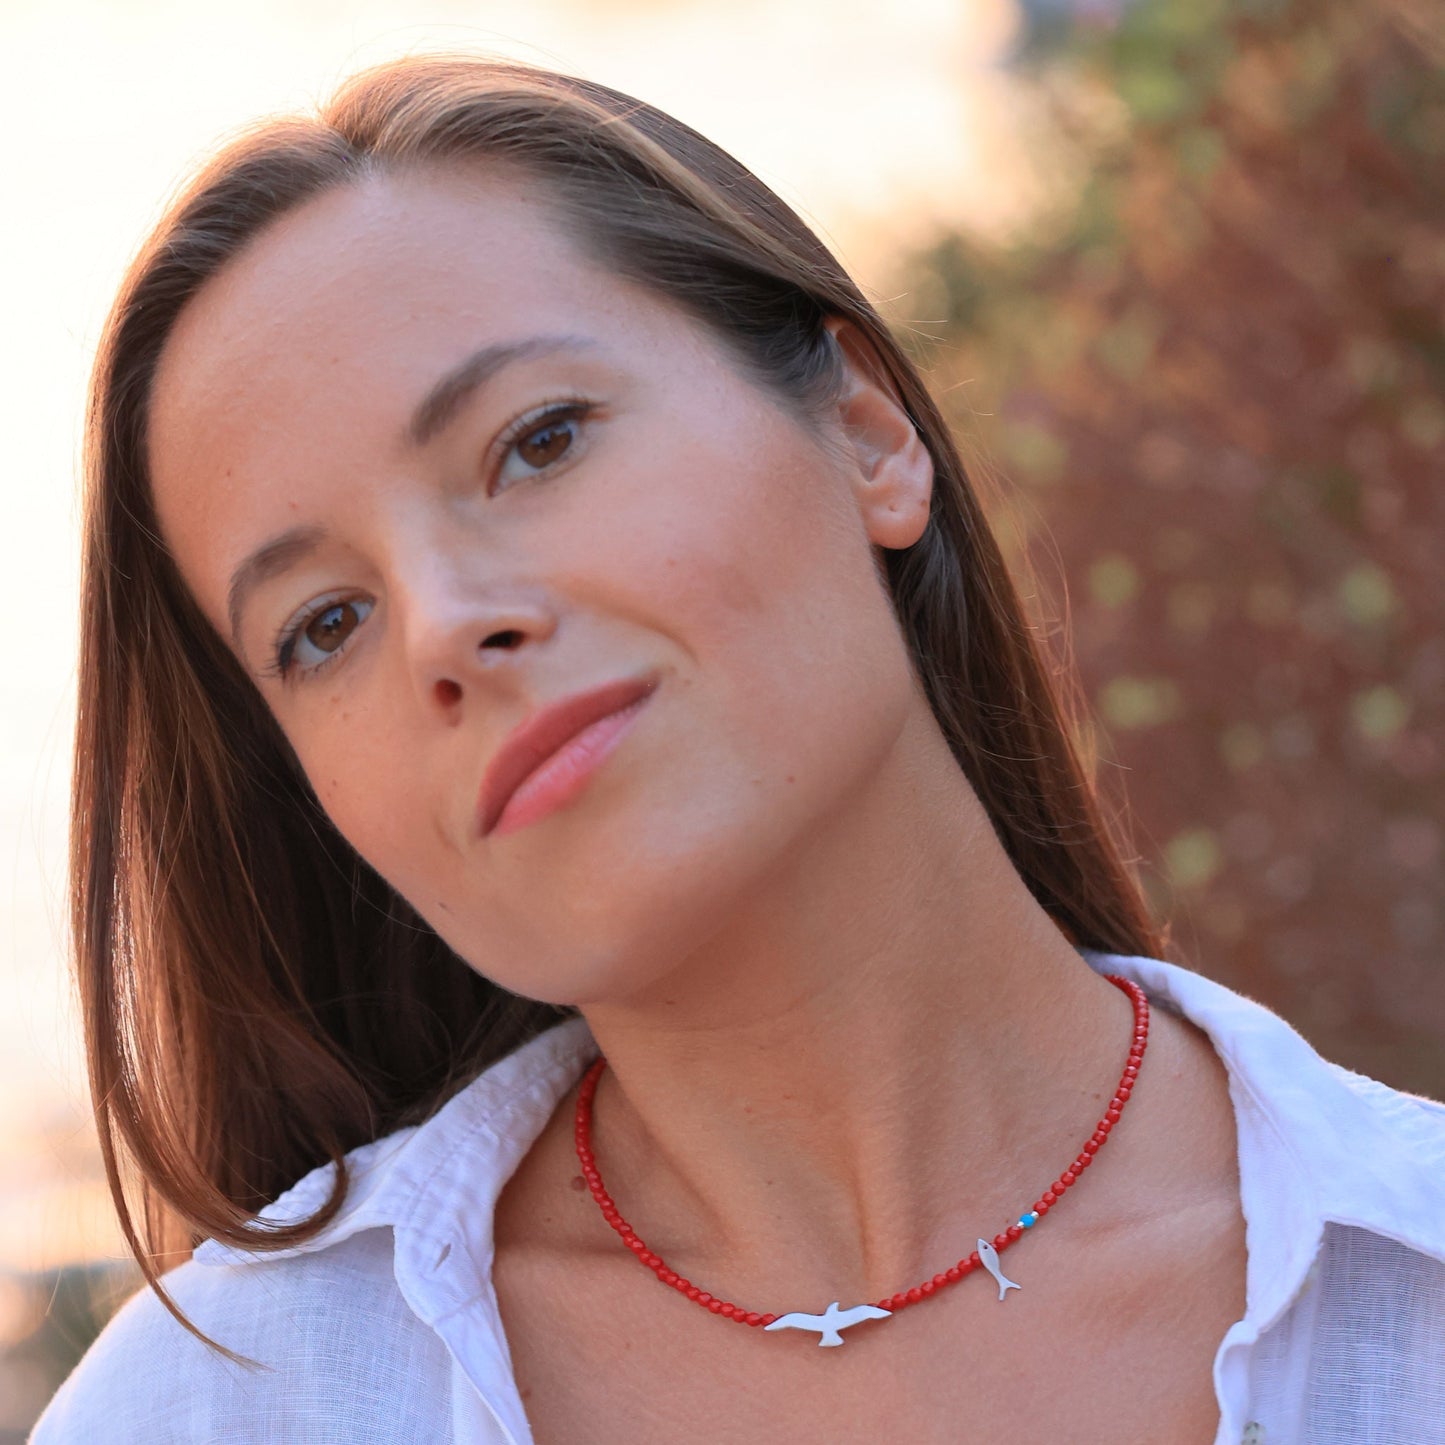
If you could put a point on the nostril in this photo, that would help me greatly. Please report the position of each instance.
(508, 638)
(449, 693)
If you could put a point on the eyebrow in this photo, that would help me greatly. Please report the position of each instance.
(269, 560)
(441, 404)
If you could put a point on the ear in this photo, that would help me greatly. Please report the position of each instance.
(894, 471)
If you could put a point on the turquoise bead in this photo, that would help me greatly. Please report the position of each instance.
(1029, 1220)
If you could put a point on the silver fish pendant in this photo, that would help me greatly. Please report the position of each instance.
(829, 1322)
(988, 1257)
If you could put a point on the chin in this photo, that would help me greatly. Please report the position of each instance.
(604, 945)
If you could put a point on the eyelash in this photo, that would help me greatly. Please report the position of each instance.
(551, 413)
(283, 645)
(539, 418)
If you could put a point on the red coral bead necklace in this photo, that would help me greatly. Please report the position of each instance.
(832, 1321)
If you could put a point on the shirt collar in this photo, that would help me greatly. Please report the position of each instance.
(436, 1184)
(1317, 1144)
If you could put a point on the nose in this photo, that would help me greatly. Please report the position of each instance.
(463, 638)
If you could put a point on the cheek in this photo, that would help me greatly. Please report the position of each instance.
(354, 768)
(751, 556)
(752, 561)
(781, 586)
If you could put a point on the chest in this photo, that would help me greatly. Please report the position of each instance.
(605, 1354)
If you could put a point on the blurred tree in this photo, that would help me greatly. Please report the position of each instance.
(1216, 368)
(47, 1322)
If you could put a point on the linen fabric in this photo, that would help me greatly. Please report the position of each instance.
(384, 1329)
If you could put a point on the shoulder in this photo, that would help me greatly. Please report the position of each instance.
(1317, 1143)
(336, 1355)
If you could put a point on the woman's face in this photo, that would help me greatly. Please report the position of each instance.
(595, 494)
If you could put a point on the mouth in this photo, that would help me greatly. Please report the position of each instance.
(551, 756)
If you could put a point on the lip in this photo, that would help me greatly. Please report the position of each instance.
(544, 734)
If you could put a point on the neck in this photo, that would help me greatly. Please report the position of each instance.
(882, 1056)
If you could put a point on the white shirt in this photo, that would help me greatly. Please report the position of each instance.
(384, 1328)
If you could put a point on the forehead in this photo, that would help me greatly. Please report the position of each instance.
(375, 284)
(304, 356)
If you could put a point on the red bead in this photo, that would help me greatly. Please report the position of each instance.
(1092, 1147)
(1113, 1116)
(692, 1292)
(668, 1277)
(914, 1295)
(953, 1274)
(999, 1240)
(703, 1297)
(927, 1288)
(768, 1319)
(715, 1305)
(1014, 1231)
(939, 1280)
(753, 1318)
(1049, 1197)
(1082, 1162)
(1068, 1176)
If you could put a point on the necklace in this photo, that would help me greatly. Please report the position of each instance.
(828, 1324)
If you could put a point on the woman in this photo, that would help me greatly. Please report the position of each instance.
(564, 773)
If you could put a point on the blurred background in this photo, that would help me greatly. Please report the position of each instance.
(1176, 269)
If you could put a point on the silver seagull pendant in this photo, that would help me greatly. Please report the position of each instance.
(829, 1322)
(988, 1257)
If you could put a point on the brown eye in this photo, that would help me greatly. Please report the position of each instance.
(548, 443)
(315, 640)
(331, 627)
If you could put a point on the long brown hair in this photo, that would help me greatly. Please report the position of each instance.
(257, 1001)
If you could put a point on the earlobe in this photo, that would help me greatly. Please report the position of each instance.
(894, 482)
